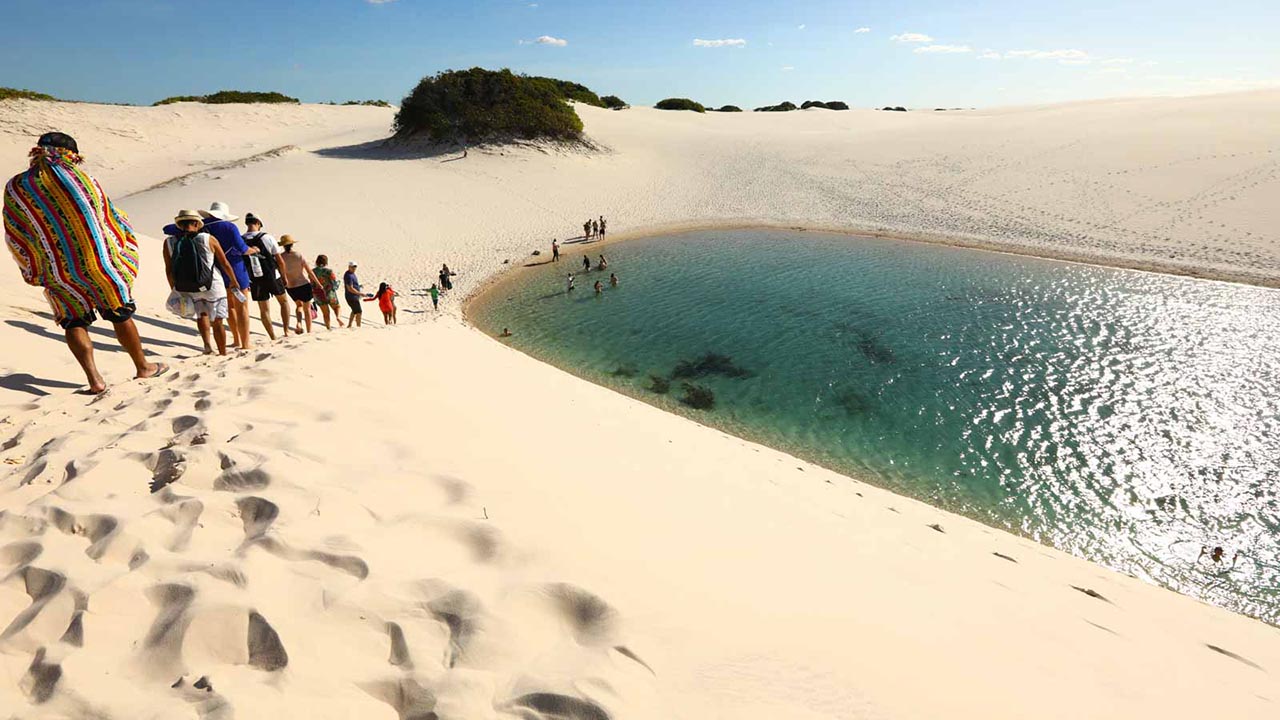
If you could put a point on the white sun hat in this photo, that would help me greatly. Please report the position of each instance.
(220, 211)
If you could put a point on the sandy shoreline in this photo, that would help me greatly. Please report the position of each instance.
(392, 522)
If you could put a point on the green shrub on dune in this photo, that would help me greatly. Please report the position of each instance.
(780, 107)
(726, 108)
(231, 96)
(680, 104)
(613, 102)
(371, 103)
(479, 106)
(829, 105)
(8, 93)
(576, 92)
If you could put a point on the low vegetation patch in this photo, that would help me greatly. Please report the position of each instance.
(8, 93)
(370, 103)
(232, 96)
(894, 109)
(482, 106)
(680, 104)
(781, 107)
(613, 102)
(726, 108)
(828, 105)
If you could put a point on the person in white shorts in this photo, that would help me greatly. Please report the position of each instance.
(209, 299)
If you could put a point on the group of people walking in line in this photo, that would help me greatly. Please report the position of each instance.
(69, 238)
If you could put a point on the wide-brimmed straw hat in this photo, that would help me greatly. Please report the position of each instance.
(219, 211)
(186, 215)
(287, 240)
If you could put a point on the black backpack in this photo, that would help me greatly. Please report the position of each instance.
(192, 271)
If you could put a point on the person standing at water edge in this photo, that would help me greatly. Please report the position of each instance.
(595, 228)
(602, 227)
(221, 224)
(299, 280)
(266, 270)
(586, 264)
(570, 288)
(555, 251)
(68, 238)
(190, 260)
(351, 288)
(586, 230)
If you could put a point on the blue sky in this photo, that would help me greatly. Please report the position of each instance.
(745, 52)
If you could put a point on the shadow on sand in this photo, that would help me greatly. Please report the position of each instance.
(393, 149)
(24, 382)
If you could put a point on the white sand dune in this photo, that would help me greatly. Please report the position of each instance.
(420, 522)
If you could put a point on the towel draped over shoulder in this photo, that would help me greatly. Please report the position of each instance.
(67, 237)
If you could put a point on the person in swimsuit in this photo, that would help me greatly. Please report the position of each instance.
(604, 264)
(555, 251)
(300, 282)
(613, 280)
(386, 298)
(599, 287)
(570, 288)
(326, 291)
(586, 264)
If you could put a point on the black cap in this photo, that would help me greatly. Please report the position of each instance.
(251, 218)
(58, 140)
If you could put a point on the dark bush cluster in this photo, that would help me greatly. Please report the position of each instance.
(780, 107)
(726, 108)
(613, 102)
(371, 103)
(894, 109)
(659, 384)
(680, 104)
(479, 106)
(828, 105)
(232, 96)
(8, 93)
(576, 92)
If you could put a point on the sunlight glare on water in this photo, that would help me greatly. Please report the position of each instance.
(1129, 418)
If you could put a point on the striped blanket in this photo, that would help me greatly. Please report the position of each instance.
(67, 236)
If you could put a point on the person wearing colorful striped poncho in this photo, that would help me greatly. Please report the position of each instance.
(68, 238)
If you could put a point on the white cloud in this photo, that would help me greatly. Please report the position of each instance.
(863, 30)
(788, 68)
(554, 41)
(379, 2)
(1119, 61)
(800, 27)
(943, 49)
(1066, 57)
(989, 55)
(733, 42)
(911, 38)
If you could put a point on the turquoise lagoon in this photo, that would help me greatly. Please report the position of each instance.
(1126, 417)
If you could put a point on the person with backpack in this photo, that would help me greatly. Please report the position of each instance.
(266, 270)
(189, 261)
(68, 238)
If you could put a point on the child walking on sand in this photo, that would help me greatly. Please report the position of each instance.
(386, 298)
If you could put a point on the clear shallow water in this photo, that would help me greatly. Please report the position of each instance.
(1125, 417)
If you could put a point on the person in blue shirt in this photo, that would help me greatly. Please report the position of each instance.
(221, 224)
